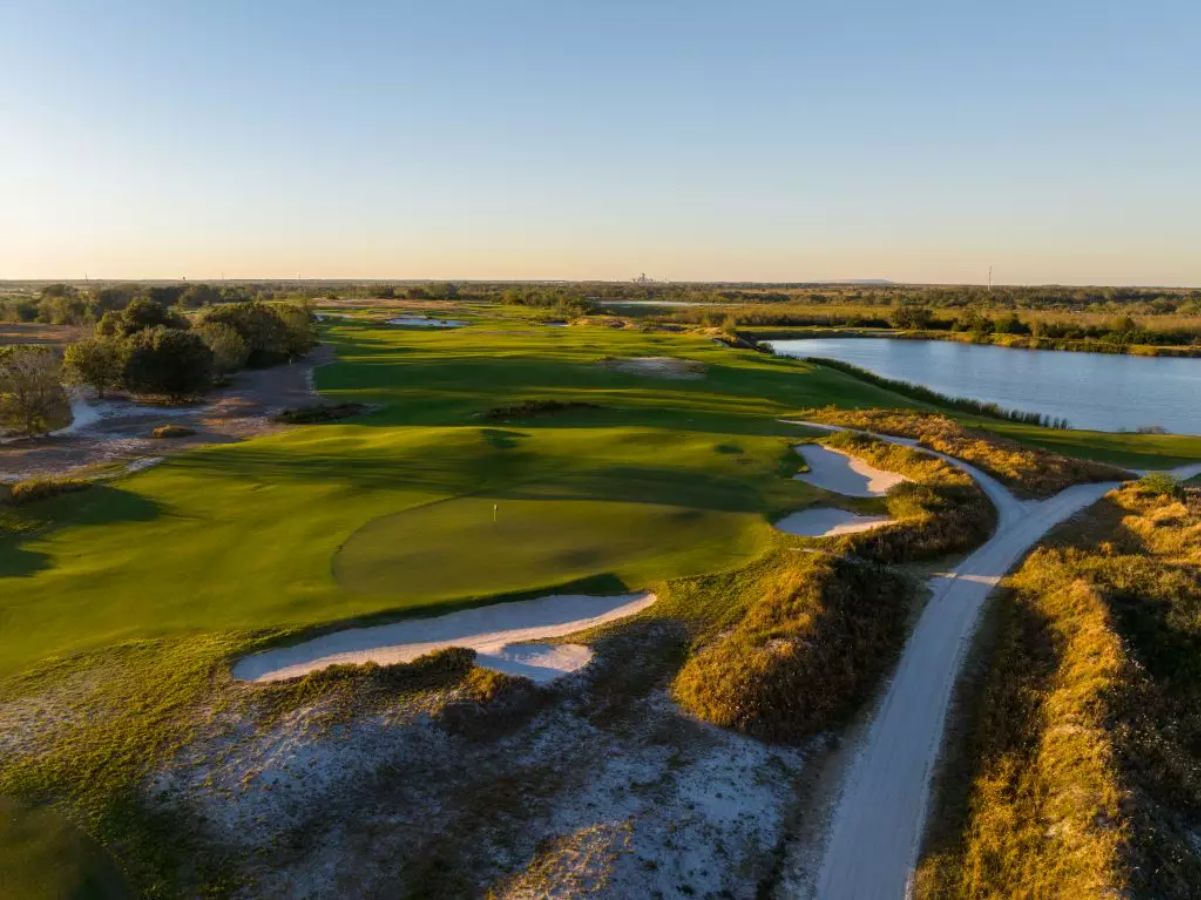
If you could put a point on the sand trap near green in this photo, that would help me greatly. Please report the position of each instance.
(454, 548)
(828, 521)
(500, 634)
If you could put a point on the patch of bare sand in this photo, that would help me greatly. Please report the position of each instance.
(658, 366)
(119, 429)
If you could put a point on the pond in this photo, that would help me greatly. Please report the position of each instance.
(1099, 391)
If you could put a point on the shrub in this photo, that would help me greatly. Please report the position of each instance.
(1160, 484)
(172, 431)
(33, 489)
(537, 408)
(1027, 471)
(141, 314)
(168, 362)
(804, 655)
(319, 412)
(273, 332)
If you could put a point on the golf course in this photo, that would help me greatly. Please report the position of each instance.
(499, 461)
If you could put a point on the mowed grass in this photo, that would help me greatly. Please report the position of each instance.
(668, 478)
(44, 857)
(391, 511)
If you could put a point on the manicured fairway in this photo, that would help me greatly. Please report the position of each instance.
(658, 478)
(44, 857)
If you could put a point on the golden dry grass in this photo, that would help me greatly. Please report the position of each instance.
(1087, 738)
(1027, 471)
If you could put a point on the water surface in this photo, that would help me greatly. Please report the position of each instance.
(1100, 391)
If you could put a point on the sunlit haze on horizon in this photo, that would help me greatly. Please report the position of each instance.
(764, 141)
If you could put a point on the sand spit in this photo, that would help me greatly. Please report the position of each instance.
(833, 470)
(828, 521)
(501, 635)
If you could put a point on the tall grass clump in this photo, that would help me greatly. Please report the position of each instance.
(1027, 471)
(1085, 777)
(804, 655)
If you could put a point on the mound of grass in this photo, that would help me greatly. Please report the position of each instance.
(529, 408)
(31, 490)
(318, 413)
(939, 511)
(1086, 742)
(1027, 471)
(172, 431)
(803, 656)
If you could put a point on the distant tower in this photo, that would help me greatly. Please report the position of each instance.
(990, 278)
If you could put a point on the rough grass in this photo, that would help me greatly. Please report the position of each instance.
(31, 490)
(172, 431)
(823, 629)
(1087, 739)
(804, 655)
(1027, 471)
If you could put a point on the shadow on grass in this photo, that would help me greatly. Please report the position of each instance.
(101, 504)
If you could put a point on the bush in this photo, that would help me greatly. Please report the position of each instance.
(804, 656)
(319, 412)
(96, 362)
(172, 431)
(1160, 484)
(141, 314)
(168, 362)
(529, 408)
(33, 489)
(32, 399)
(1027, 471)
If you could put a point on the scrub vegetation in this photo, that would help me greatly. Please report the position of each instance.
(1084, 776)
(124, 605)
(1028, 472)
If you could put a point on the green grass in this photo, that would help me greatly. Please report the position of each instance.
(163, 576)
(44, 857)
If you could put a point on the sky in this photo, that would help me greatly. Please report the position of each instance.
(1057, 141)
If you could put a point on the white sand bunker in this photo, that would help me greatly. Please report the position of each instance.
(500, 635)
(657, 366)
(828, 521)
(426, 322)
(844, 474)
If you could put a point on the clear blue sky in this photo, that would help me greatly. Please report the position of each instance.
(1058, 141)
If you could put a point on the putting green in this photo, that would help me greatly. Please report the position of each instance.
(454, 548)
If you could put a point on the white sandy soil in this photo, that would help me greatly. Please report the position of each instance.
(873, 843)
(828, 521)
(500, 634)
(425, 322)
(833, 470)
(658, 366)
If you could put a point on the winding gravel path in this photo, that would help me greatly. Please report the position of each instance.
(872, 845)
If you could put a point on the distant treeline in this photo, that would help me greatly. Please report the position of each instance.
(925, 395)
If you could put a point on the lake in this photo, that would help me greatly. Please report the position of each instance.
(1101, 391)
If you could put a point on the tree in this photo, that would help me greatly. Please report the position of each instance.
(265, 334)
(139, 315)
(229, 350)
(917, 318)
(198, 295)
(96, 362)
(32, 398)
(167, 361)
(298, 323)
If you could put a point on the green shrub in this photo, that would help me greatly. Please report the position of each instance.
(168, 362)
(319, 412)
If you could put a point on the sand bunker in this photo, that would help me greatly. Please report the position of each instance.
(426, 322)
(827, 521)
(500, 634)
(833, 470)
(657, 366)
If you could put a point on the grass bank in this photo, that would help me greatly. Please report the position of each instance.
(1087, 776)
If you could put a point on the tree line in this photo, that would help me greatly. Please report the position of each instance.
(148, 349)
